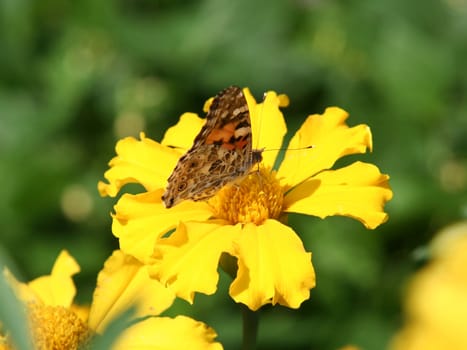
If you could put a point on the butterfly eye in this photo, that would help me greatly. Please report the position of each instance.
(193, 164)
(182, 187)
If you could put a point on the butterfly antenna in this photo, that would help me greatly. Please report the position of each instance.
(290, 149)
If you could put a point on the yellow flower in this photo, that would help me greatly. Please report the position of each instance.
(436, 307)
(246, 220)
(56, 323)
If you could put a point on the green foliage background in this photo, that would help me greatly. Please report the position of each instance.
(77, 76)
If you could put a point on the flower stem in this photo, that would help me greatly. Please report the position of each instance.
(250, 328)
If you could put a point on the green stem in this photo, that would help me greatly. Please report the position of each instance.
(250, 328)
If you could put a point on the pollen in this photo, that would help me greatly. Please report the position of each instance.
(256, 198)
(56, 327)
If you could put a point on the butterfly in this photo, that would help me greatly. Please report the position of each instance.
(221, 153)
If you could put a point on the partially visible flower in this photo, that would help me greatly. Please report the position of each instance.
(436, 302)
(4, 341)
(57, 323)
(248, 220)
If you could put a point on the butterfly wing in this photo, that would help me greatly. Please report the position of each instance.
(221, 152)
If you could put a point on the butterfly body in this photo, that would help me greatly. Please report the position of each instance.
(221, 153)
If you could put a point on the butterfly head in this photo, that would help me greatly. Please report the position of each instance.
(256, 156)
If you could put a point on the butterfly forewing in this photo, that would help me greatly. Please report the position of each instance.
(221, 152)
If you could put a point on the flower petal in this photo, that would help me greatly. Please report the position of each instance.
(58, 288)
(184, 132)
(122, 283)
(273, 267)
(358, 191)
(331, 139)
(22, 290)
(139, 161)
(446, 243)
(267, 123)
(187, 260)
(140, 220)
(164, 333)
(435, 304)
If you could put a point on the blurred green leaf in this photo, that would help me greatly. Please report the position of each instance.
(12, 314)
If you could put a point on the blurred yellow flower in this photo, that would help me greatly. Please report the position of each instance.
(436, 302)
(56, 323)
(248, 220)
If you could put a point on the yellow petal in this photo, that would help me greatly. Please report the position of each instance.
(140, 220)
(436, 307)
(208, 104)
(421, 337)
(187, 260)
(57, 289)
(184, 132)
(358, 191)
(122, 283)
(22, 290)
(446, 242)
(139, 161)
(273, 267)
(267, 123)
(163, 333)
(331, 139)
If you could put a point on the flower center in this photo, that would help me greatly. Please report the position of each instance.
(256, 198)
(56, 327)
